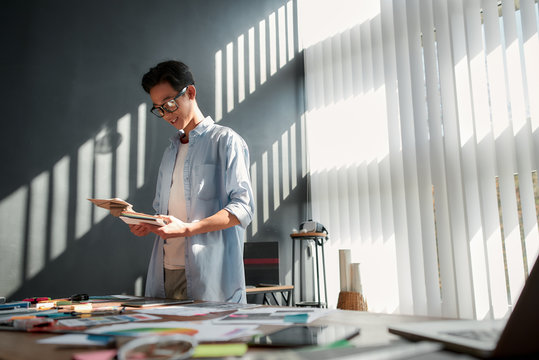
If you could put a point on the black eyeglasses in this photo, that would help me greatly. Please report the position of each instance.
(170, 106)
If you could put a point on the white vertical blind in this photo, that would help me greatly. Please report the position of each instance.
(422, 130)
(530, 40)
(437, 158)
(402, 259)
(406, 37)
(486, 170)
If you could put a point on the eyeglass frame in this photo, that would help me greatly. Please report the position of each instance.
(163, 109)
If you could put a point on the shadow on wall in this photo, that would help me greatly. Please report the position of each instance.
(88, 133)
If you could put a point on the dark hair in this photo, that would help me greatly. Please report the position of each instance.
(176, 73)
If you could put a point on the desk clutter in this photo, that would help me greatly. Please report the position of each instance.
(118, 330)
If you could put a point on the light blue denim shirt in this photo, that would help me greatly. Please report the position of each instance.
(216, 176)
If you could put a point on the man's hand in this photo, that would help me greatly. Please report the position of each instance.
(174, 228)
(140, 229)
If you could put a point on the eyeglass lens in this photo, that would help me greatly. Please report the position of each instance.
(169, 106)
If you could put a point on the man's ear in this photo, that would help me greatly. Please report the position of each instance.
(191, 92)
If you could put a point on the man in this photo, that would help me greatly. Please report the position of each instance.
(204, 188)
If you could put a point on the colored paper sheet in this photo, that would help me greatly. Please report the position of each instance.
(77, 339)
(273, 316)
(219, 350)
(95, 355)
(201, 332)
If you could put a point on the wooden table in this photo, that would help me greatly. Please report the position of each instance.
(23, 346)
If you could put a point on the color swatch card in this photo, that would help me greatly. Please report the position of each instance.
(201, 332)
(103, 320)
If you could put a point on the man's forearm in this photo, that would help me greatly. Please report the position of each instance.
(218, 221)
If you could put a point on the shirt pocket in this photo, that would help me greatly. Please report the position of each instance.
(205, 182)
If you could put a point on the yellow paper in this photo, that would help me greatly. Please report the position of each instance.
(220, 350)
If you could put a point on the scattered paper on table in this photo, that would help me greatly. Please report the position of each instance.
(273, 316)
(178, 311)
(103, 320)
(201, 332)
(76, 339)
(217, 306)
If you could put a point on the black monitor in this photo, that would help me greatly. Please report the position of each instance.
(261, 262)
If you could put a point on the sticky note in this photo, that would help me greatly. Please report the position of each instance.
(220, 350)
(95, 355)
(63, 302)
(297, 318)
(45, 305)
(81, 307)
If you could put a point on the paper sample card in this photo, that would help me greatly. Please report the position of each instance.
(102, 320)
(130, 217)
(124, 210)
(201, 332)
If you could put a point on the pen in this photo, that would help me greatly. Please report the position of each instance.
(35, 300)
(14, 305)
(99, 313)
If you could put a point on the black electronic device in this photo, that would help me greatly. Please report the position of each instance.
(261, 262)
(312, 226)
(304, 335)
(508, 338)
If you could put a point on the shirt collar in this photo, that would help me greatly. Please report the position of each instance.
(199, 129)
(202, 127)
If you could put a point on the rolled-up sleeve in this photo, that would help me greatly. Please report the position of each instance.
(238, 181)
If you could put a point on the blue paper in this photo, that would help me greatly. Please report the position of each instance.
(296, 318)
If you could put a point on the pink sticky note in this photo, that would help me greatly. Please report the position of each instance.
(95, 355)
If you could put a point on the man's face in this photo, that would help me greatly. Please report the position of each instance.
(162, 94)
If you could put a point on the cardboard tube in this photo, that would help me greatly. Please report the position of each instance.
(355, 278)
(344, 269)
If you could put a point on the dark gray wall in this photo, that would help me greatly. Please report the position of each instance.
(70, 70)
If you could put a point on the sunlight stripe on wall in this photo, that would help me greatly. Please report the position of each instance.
(123, 154)
(141, 144)
(254, 183)
(285, 156)
(290, 29)
(37, 232)
(262, 50)
(218, 86)
(281, 23)
(276, 175)
(83, 219)
(229, 77)
(103, 174)
(13, 207)
(252, 69)
(60, 203)
(272, 43)
(241, 68)
(293, 155)
(265, 187)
